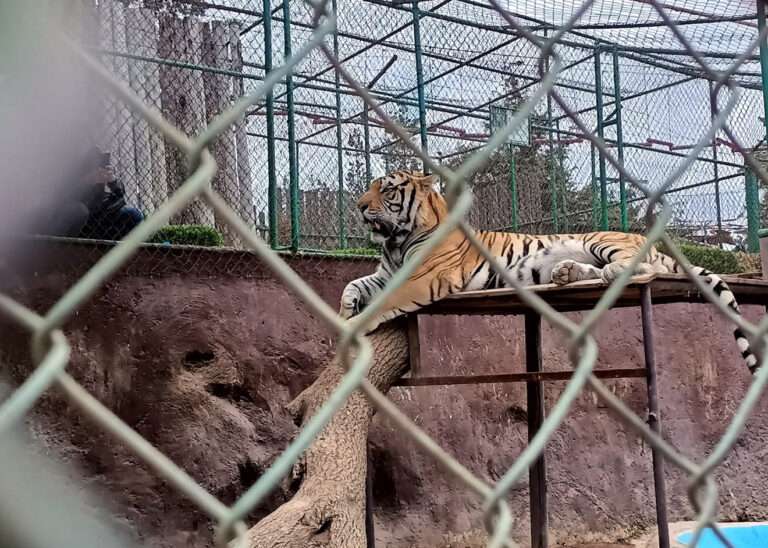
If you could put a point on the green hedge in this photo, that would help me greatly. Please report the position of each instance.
(713, 259)
(367, 251)
(198, 235)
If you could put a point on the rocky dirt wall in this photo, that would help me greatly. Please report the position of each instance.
(201, 363)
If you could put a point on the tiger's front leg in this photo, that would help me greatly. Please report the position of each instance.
(358, 293)
(414, 294)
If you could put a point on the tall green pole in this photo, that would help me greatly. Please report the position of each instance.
(293, 166)
(563, 191)
(716, 169)
(420, 77)
(764, 74)
(367, 148)
(341, 202)
(601, 134)
(763, 59)
(753, 212)
(620, 141)
(595, 191)
(367, 145)
(552, 171)
(271, 173)
(513, 185)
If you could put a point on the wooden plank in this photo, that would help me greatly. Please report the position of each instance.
(541, 376)
(667, 288)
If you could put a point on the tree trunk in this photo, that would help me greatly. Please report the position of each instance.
(329, 508)
(244, 171)
(218, 98)
(120, 119)
(142, 39)
(183, 103)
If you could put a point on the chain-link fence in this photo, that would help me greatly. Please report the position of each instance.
(209, 127)
(294, 165)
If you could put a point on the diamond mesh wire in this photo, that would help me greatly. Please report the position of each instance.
(191, 60)
(196, 153)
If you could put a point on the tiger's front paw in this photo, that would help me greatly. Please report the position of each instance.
(565, 272)
(351, 302)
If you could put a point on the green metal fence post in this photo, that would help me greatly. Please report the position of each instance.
(293, 166)
(368, 171)
(551, 144)
(513, 185)
(367, 144)
(716, 170)
(595, 191)
(270, 104)
(420, 76)
(752, 194)
(601, 134)
(763, 60)
(563, 191)
(620, 141)
(341, 202)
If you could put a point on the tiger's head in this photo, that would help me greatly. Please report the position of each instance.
(401, 203)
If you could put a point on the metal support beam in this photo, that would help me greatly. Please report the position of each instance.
(270, 104)
(595, 190)
(341, 200)
(620, 142)
(551, 146)
(654, 420)
(420, 77)
(562, 183)
(370, 532)
(601, 134)
(535, 397)
(513, 186)
(293, 166)
(763, 60)
(716, 168)
(472, 112)
(752, 195)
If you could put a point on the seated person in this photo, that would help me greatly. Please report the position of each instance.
(109, 217)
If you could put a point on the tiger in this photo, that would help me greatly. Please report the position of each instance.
(402, 209)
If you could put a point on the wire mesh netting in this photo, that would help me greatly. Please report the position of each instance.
(293, 167)
(265, 123)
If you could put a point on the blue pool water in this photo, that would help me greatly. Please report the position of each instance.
(754, 536)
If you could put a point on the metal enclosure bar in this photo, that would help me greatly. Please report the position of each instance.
(654, 418)
(624, 220)
(341, 200)
(270, 105)
(293, 161)
(601, 134)
(535, 397)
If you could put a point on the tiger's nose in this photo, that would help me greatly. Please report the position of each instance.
(363, 207)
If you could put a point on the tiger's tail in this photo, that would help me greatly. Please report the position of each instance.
(726, 297)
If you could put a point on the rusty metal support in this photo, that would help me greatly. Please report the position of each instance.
(537, 485)
(370, 533)
(654, 421)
